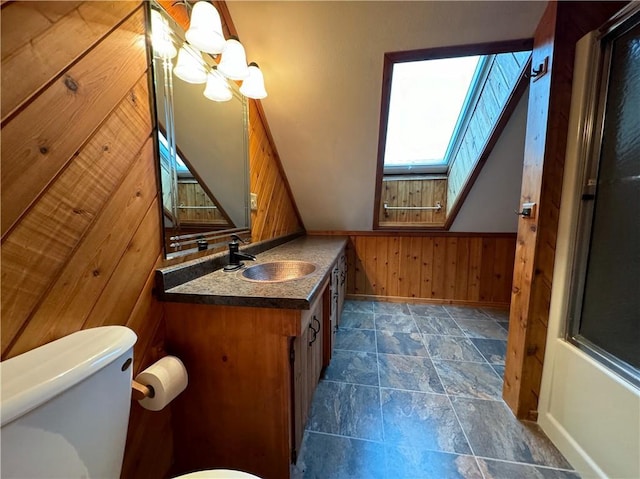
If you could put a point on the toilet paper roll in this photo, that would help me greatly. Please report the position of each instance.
(167, 377)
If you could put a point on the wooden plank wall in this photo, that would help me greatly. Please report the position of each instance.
(464, 268)
(413, 192)
(80, 213)
(277, 213)
(81, 231)
(561, 26)
(190, 193)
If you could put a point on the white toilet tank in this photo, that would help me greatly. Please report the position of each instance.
(65, 406)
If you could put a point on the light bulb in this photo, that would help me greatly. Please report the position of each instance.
(217, 88)
(190, 65)
(205, 28)
(253, 86)
(234, 61)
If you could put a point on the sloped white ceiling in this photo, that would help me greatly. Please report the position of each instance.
(322, 63)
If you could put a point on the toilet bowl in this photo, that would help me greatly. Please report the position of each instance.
(65, 408)
(218, 474)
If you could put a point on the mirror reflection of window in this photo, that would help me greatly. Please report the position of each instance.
(196, 211)
(202, 149)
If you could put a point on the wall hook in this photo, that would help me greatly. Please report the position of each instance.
(541, 70)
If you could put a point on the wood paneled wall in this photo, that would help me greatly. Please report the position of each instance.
(403, 192)
(81, 232)
(277, 213)
(463, 268)
(190, 193)
(561, 26)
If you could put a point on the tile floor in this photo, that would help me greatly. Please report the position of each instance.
(413, 392)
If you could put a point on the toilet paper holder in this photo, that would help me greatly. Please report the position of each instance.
(159, 384)
(141, 391)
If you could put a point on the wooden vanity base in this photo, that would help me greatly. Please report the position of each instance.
(252, 374)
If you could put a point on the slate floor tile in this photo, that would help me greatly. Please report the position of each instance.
(415, 463)
(503, 324)
(355, 367)
(408, 344)
(358, 306)
(428, 310)
(437, 325)
(451, 348)
(391, 308)
(408, 372)
(356, 340)
(493, 350)
(477, 380)
(503, 470)
(413, 396)
(499, 314)
(347, 410)
(466, 312)
(421, 419)
(499, 369)
(482, 329)
(495, 433)
(357, 320)
(333, 457)
(395, 322)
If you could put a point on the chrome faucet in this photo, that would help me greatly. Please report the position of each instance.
(235, 255)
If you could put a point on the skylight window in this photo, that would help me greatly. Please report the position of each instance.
(427, 102)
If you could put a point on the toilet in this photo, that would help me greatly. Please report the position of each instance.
(65, 408)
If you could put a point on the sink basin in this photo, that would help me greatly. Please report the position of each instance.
(277, 271)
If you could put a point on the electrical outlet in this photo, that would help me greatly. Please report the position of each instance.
(254, 202)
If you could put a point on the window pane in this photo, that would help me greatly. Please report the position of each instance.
(426, 100)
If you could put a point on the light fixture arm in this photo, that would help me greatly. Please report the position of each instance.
(205, 34)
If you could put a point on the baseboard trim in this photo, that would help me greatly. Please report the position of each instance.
(570, 449)
(413, 300)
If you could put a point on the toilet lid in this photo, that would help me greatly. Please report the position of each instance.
(218, 474)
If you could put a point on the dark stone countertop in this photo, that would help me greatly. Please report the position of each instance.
(231, 289)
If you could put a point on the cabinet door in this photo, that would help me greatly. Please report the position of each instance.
(328, 324)
(314, 355)
(335, 294)
(341, 286)
(307, 357)
(301, 397)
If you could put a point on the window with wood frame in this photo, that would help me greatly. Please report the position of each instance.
(442, 111)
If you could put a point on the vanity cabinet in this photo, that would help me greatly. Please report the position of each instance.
(334, 302)
(252, 375)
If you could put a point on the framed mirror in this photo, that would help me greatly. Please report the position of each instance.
(203, 156)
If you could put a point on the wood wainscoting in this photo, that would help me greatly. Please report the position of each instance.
(411, 192)
(455, 268)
